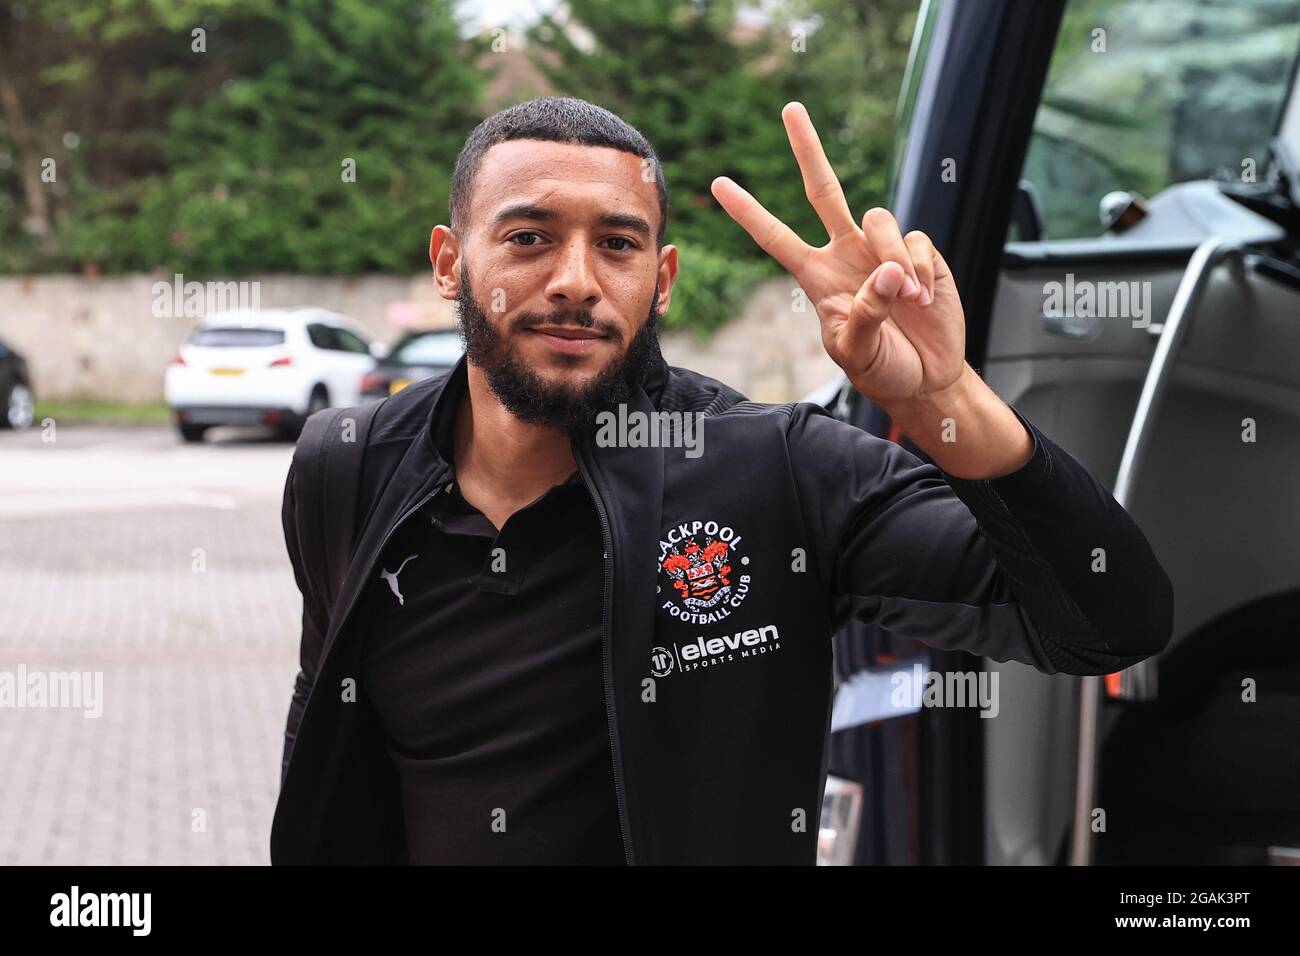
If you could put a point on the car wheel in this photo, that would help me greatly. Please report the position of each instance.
(318, 402)
(193, 433)
(20, 408)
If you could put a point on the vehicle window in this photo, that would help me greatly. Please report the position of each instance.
(438, 348)
(351, 342)
(1143, 94)
(237, 337)
(323, 337)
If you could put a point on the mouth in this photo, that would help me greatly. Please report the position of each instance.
(566, 338)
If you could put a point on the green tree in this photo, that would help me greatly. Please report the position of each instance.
(332, 155)
(851, 55)
(231, 153)
(85, 93)
(230, 150)
(707, 92)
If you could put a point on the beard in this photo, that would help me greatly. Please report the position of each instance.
(528, 396)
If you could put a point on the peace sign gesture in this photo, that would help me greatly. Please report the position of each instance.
(890, 314)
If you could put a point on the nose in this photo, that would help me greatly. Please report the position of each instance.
(573, 284)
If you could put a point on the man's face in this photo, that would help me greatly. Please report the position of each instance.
(559, 278)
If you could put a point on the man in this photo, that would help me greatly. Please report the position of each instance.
(493, 671)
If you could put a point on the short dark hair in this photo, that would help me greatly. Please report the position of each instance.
(556, 119)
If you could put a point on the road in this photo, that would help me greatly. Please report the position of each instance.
(159, 567)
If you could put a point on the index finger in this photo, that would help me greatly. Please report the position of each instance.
(772, 235)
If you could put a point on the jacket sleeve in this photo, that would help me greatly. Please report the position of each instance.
(314, 618)
(1041, 566)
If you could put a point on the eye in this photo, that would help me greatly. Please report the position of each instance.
(519, 236)
(627, 246)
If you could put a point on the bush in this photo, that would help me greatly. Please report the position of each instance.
(711, 288)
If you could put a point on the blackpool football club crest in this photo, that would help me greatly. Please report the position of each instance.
(703, 576)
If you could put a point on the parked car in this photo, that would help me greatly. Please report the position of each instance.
(271, 367)
(417, 356)
(1156, 341)
(15, 390)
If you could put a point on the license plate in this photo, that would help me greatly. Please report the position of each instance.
(226, 371)
(397, 385)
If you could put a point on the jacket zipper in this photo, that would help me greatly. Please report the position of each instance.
(607, 668)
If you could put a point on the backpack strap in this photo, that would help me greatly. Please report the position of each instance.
(331, 452)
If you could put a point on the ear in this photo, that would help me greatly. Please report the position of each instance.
(444, 256)
(666, 277)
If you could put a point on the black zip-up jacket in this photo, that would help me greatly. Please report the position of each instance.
(717, 656)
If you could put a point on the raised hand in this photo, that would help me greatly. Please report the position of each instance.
(890, 314)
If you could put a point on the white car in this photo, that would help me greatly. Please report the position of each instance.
(270, 367)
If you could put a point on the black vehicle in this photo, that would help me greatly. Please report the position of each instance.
(418, 355)
(16, 398)
(1157, 341)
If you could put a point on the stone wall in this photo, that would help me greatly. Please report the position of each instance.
(101, 339)
(110, 339)
(769, 352)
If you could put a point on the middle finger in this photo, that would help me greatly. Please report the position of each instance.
(820, 183)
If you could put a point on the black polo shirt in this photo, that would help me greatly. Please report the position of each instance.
(483, 662)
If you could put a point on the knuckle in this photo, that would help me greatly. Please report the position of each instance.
(770, 235)
(820, 190)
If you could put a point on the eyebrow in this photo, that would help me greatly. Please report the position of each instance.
(612, 220)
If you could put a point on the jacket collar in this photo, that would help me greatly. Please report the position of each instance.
(442, 417)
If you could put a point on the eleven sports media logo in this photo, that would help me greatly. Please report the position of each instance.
(699, 584)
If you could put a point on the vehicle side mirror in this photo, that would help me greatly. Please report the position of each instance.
(379, 350)
(1027, 213)
(1120, 211)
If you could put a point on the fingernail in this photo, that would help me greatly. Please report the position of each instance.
(926, 296)
(909, 287)
(887, 282)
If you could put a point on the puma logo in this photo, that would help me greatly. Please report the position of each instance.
(391, 578)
